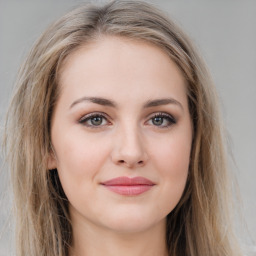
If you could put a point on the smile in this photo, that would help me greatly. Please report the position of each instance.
(128, 186)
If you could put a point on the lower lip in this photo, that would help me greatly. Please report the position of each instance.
(132, 190)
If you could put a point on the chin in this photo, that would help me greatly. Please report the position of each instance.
(132, 222)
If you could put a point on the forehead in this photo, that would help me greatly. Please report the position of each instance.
(117, 64)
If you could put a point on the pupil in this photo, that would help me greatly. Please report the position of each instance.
(96, 120)
(158, 120)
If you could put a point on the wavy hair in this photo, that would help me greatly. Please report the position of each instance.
(200, 224)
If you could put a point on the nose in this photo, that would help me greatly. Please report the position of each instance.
(129, 149)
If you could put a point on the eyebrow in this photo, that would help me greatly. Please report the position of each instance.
(110, 103)
(96, 100)
(160, 102)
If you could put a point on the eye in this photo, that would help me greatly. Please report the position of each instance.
(94, 120)
(162, 120)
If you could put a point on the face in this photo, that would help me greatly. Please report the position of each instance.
(121, 134)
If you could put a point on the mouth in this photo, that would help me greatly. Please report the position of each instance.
(128, 186)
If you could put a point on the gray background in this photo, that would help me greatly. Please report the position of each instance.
(225, 33)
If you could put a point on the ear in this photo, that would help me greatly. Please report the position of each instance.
(51, 161)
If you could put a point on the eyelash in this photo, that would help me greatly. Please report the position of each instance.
(166, 117)
(88, 118)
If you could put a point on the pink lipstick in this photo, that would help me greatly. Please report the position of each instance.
(128, 186)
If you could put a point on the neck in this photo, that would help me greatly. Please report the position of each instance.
(92, 240)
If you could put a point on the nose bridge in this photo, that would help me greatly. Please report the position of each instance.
(129, 147)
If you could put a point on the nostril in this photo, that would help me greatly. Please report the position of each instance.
(123, 161)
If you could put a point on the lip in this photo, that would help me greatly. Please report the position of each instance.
(128, 186)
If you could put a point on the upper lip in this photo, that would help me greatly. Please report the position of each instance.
(127, 181)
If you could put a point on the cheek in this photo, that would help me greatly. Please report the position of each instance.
(173, 154)
(172, 159)
(80, 151)
(174, 166)
(79, 160)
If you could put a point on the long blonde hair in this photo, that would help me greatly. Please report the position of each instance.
(200, 224)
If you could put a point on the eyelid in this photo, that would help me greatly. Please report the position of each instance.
(161, 113)
(171, 118)
(86, 117)
(167, 116)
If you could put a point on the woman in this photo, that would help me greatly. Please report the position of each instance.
(118, 147)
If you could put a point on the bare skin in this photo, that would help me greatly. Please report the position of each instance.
(122, 112)
(95, 242)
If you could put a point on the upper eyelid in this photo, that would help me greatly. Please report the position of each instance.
(172, 119)
(106, 116)
(85, 118)
(161, 113)
(89, 115)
